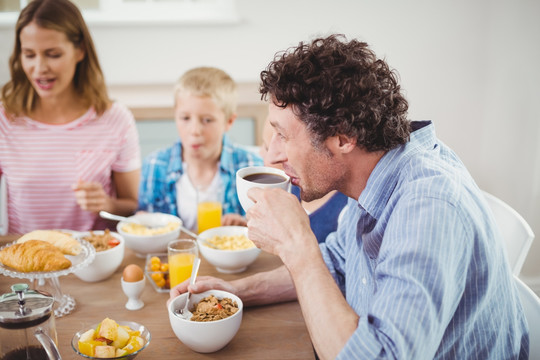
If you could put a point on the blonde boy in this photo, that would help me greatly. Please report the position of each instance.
(204, 159)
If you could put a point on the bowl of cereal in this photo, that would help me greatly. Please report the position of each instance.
(149, 232)
(232, 251)
(109, 247)
(216, 318)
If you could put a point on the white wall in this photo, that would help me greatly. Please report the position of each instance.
(470, 66)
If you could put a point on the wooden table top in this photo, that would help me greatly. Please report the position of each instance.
(267, 332)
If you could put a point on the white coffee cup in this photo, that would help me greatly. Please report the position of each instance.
(260, 177)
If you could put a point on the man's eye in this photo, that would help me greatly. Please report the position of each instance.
(207, 120)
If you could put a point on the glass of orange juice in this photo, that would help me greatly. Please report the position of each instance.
(209, 210)
(181, 254)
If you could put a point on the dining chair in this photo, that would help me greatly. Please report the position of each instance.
(531, 307)
(517, 234)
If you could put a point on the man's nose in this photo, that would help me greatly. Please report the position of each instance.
(275, 153)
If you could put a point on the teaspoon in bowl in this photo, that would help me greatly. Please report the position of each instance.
(185, 313)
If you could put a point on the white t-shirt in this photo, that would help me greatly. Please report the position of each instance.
(40, 163)
(188, 196)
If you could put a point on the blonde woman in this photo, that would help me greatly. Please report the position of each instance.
(66, 150)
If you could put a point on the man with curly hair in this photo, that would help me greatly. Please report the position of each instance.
(416, 268)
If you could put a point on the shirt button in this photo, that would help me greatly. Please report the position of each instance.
(364, 281)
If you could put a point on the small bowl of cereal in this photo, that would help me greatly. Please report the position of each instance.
(217, 316)
(109, 247)
(149, 232)
(232, 251)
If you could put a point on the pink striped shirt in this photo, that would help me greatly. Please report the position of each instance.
(41, 162)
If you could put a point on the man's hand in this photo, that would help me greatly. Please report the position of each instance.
(203, 283)
(277, 222)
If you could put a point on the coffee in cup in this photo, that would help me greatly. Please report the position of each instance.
(261, 177)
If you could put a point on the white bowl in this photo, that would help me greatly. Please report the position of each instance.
(205, 337)
(145, 244)
(227, 261)
(105, 262)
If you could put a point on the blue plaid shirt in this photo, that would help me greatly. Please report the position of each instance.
(419, 258)
(163, 168)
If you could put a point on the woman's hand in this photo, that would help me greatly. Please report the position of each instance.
(91, 196)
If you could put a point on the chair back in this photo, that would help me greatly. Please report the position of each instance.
(517, 234)
(531, 307)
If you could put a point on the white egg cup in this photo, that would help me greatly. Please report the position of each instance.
(133, 291)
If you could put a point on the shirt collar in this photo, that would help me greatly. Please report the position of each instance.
(226, 159)
(385, 175)
(88, 116)
(227, 164)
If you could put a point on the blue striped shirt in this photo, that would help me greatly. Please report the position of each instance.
(424, 267)
(163, 168)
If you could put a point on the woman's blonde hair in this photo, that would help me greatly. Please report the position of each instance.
(18, 95)
(211, 82)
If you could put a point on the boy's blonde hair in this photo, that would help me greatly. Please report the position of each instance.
(212, 82)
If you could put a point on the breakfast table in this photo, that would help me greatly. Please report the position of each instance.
(267, 332)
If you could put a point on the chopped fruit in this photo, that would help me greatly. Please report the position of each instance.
(110, 340)
(87, 335)
(88, 347)
(121, 339)
(105, 351)
(135, 344)
(108, 329)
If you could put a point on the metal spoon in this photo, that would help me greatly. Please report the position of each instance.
(190, 233)
(185, 313)
(108, 215)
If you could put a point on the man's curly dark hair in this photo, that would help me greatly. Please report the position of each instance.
(339, 87)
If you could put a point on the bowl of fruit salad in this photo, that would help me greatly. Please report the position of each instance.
(111, 339)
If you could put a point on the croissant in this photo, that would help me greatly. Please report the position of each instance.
(67, 244)
(34, 255)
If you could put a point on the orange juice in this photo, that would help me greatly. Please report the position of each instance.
(208, 215)
(180, 266)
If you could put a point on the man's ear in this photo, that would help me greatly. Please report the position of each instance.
(230, 121)
(341, 144)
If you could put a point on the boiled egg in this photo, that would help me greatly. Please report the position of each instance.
(133, 273)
